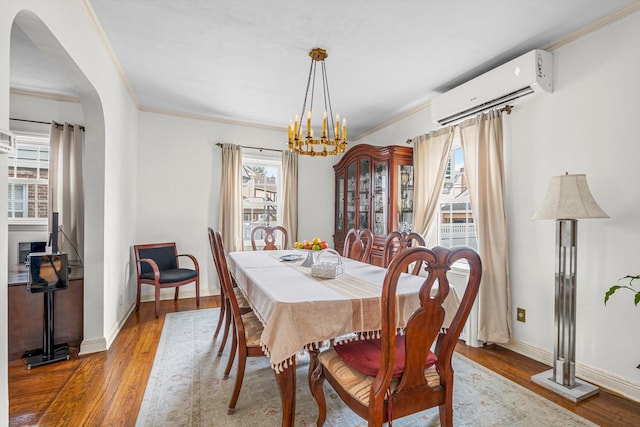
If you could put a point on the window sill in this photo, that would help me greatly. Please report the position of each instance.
(28, 226)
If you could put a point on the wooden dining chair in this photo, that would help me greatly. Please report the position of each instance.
(225, 312)
(398, 375)
(246, 328)
(157, 265)
(269, 237)
(358, 245)
(397, 242)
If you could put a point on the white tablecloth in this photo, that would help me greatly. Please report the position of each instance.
(298, 310)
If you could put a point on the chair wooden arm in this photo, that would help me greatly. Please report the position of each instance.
(196, 267)
(154, 267)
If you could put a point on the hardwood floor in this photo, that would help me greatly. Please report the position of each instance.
(107, 388)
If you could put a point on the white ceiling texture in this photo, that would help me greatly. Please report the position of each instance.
(248, 60)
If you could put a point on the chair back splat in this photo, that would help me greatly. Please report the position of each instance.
(396, 242)
(269, 237)
(407, 377)
(358, 245)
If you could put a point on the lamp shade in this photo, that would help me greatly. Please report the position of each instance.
(568, 197)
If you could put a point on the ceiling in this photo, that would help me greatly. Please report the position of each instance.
(248, 60)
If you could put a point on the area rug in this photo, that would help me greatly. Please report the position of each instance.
(186, 388)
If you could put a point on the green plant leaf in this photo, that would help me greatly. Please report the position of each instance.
(612, 290)
(637, 299)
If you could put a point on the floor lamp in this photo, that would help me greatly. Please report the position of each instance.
(567, 199)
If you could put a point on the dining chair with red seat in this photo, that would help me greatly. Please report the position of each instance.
(224, 316)
(157, 265)
(358, 245)
(402, 375)
(269, 237)
(397, 242)
(246, 328)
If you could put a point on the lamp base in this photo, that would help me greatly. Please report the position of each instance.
(580, 392)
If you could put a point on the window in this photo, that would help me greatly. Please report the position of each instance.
(455, 219)
(29, 179)
(260, 190)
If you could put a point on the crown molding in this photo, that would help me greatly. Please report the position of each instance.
(45, 95)
(594, 26)
(215, 119)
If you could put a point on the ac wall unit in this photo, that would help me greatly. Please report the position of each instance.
(458, 277)
(7, 141)
(513, 83)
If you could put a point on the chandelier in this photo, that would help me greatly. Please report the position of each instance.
(333, 137)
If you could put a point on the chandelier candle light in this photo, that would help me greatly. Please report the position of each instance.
(332, 141)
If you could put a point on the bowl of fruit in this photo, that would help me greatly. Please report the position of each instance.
(312, 247)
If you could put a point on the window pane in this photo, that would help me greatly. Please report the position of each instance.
(260, 181)
(455, 221)
(27, 152)
(28, 174)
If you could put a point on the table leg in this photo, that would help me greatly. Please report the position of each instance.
(287, 385)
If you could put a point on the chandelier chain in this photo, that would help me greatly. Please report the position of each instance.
(327, 98)
(306, 93)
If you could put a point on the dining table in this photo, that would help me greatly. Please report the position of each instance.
(301, 312)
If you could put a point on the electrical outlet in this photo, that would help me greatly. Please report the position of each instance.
(522, 315)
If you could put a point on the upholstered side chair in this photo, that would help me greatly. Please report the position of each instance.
(157, 265)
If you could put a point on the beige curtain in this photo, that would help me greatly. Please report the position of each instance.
(482, 147)
(430, 156)
(66, 186)
(289, 199)
(231, 198)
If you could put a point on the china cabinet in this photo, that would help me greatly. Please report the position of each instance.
(374, 190)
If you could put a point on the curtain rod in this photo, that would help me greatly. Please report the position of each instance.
(42, 123)
(219, 144)
(506, 109)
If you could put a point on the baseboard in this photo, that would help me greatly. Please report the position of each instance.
(115, 330)
(168, 293)
(602, 379)
(95, 345)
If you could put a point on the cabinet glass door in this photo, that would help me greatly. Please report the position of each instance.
(364, 199)
(380, 199)
(405, 217)
(351, 196)
(340, 203)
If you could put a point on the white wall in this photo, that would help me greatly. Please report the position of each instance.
(588, 125)
(398, 132)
